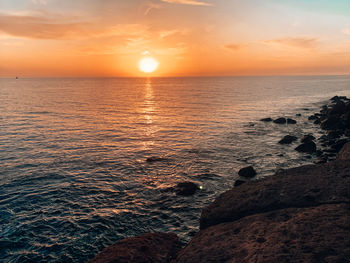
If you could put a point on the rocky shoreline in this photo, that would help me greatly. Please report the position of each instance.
(297, 215)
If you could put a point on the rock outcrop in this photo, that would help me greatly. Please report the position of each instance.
(147, 248)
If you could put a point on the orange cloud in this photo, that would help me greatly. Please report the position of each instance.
(187, 2)
(234, 47)
(298, 42)
(37, 27)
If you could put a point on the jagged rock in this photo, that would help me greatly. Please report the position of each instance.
(266, 119)
(247, 172)
(315, 234)
(308, 185)
(186, 188)
(307, 147)
(288, 139)
(332, 123)
(280, 120)
(147, 248)
(291, 121)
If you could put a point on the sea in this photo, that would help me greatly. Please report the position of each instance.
(73, 172)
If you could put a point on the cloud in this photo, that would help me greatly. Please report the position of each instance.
(149, 7)
(37, 27)
(297, 42)
(346, 31)
(234, 47)
(187, 2)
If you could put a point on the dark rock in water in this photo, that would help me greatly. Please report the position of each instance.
(247, 172)
(151, 247)
(291, 121)
(317, 122)
(307, 147)
(280, 120)
(186, 188)
(307, 138)
(319, 153)
(266, 119)
(287, 139)
(239, 182)
(298, 114)
(312, 117)
(154, 159)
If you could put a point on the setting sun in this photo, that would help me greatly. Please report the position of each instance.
(148, 65)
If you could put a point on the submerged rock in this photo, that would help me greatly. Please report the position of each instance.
(186, 188)
(155, 159)
(307, 147)
(288, 139)
(280, 120)
(247, 172)
(151, 247)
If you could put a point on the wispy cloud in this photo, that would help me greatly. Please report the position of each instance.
(296, 42)
(37, 27)
(234, 47)
(187, 2)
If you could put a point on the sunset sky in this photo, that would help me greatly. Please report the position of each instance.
(53, 38)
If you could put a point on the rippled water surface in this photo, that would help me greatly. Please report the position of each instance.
(73, 170)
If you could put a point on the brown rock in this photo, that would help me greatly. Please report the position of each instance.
(304, 186)
(316, 234)
(151, 247)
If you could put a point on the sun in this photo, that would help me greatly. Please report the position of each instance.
(148, 64)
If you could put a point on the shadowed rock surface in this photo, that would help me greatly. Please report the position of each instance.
(280, 120)
(317, 234)
(151, 247)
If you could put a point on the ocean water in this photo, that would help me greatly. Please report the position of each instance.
(73, 172)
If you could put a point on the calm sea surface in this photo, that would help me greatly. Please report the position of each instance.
(73, 172)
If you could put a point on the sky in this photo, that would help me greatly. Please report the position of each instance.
(107, 38)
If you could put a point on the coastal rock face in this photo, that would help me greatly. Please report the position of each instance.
(151, 247)
(317, 234)
(304, 186)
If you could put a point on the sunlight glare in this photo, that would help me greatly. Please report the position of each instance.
(148, 64)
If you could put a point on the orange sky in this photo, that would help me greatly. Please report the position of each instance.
(53, 38)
